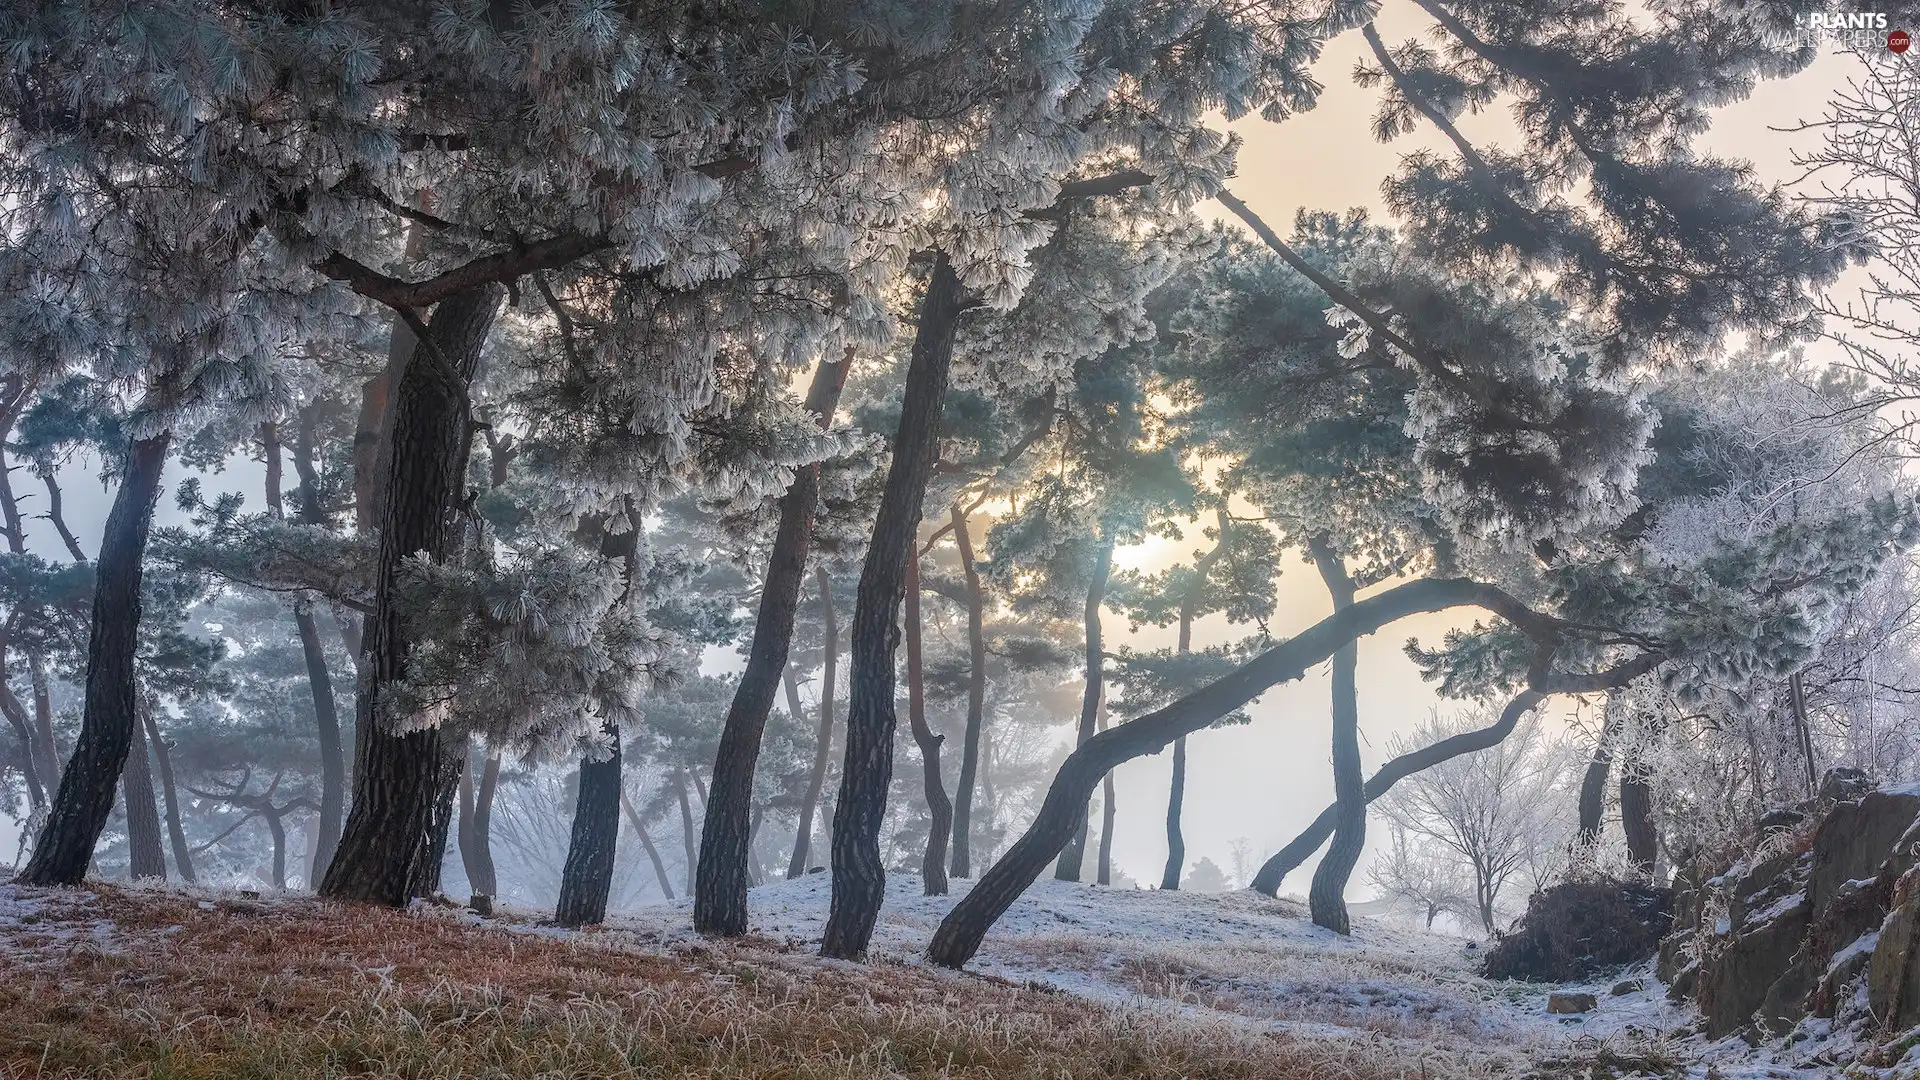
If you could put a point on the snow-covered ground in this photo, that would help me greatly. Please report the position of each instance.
(1259, 961)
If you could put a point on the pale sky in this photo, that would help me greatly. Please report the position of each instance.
(1266, 780)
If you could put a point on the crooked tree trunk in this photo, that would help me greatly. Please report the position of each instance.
(976, 699)
(16, 715)
(959, 935)
(1326, 898)
(586, 880)
(1071, 858)
(859, 877)
(1302, 847)
(646, 842)
(476, 854)
(108, 720)
(720, 891)
(387, 853)
(933, 866)
(169, 794)
(145, 859)
(1177, 793)
(823, 737)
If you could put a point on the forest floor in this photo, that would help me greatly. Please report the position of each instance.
(1075, 983)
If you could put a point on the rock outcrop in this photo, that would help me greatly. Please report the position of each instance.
(1826, 906)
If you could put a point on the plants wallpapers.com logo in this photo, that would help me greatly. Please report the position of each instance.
(1855, 30)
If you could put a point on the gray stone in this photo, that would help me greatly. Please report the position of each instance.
(1561, 1001)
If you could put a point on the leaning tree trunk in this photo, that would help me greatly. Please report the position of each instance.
(1068, 868)
(43, 752)
(145, 859)
(1326, 899)
(586, 880)
(720, 886)
(1177, 792)
(169, 794)
(933, 867)
(976, 699)
(107, 720)
(859, 877)
(1302, 847)
(823, 737)
(646, 843)
(387, 853)
(961, 932)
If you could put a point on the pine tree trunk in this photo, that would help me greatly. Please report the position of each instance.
(1326, 898)
(1302, 847)
(1797, 704)
(646, 842)
(446, 781)
(1103, 873)
(482, 877)
(465, 834)
(1593, 785)
(16, 714)
(961, 932)
(859, 877)
(1176, 795)
(933, 867)
(720, 892)
(46, 748)
(387, 853)
(686, 825)
(144, 855)
(823, 737)
(976, 699)
(107, 722)
(169, 794)
(587, 879)
(1068, 868)
(1636, 818)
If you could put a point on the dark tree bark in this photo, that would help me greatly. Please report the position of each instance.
(1326, 899)
(169, 793)
(587, 878)
(1069, 866)
(57, 515)
(646, 842)
(446, 785)
(976, 699)
(1636, 817)
(933, 867)
(16, 715)
(326, 712)
(1103, 874)
(686, 825)
(1593, 785)
(823, 737)
(1176, 795)
(144, 855)
(45, 747)
(387, 853)
(720, 891)
(107, 721)
(859, 877)
(1803, 727)
(967, 923)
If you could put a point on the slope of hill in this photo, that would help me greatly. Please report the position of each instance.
(1076, 982)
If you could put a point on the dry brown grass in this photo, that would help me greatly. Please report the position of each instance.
(143, 983)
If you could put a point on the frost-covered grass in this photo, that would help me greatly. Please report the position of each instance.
(1076, 983)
